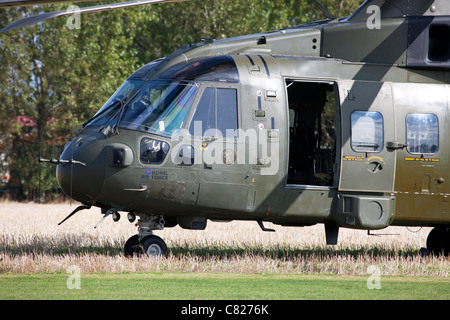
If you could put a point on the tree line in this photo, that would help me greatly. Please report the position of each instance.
(53, 78)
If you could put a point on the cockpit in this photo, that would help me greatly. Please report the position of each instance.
(159, 102)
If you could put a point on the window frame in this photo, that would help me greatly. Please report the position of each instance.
(381, 145)
(418, 132)
(202, 90)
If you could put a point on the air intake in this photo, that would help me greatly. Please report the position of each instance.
(429, 43)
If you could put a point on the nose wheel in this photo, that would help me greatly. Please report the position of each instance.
(146, 243)
(154, 246)
(151, 246)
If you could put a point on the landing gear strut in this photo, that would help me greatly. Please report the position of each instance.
(438, 241)
(145, 242)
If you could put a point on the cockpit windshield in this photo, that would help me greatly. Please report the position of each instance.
(156, 106)
(160, 104)
(110, 107)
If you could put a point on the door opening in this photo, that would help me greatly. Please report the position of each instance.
(312, 133)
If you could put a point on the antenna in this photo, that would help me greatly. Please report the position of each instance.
(71, 163)
(40, 161)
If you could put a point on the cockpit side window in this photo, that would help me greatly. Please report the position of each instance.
(227, 111)
(216, 114)
(205, 116)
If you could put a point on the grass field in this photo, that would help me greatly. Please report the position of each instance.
(219, 286)
(233, 260)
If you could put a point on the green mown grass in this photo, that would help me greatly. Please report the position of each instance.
(217, 286)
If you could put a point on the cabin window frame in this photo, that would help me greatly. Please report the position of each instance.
(421, 132)
(377, 139)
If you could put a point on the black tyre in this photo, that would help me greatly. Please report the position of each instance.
(435, 241)
(132, 247)
(154, 246)
(446, 242)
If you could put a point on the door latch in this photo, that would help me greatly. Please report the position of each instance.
(395, 145)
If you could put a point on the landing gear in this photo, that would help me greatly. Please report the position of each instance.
(154, 246)
(145, 242)
(151, 246)
(132, 247)
(438, 241)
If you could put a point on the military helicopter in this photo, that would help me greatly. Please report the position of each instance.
(342, 122)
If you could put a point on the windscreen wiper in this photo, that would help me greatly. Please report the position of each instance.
(104, 110)
(115, 129)
(120, 101)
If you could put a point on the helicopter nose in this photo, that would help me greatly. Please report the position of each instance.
(81, 170)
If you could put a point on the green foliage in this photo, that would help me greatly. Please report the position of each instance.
(58, 77)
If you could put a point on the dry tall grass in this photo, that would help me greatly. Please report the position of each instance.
(31, 241)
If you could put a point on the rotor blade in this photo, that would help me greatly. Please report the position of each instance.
(324, 10)
(71, 166)
(24, 3)
(40, 163)
(49, 15)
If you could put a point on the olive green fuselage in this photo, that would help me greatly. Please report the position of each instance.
(409, 189)
(335, 123)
